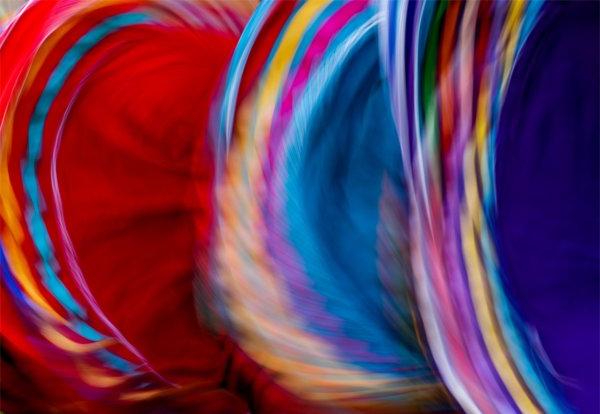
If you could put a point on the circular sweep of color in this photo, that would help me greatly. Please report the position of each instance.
(311, 259)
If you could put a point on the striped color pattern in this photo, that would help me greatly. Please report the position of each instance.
(66, 329)
(449, 66)
(311, 259)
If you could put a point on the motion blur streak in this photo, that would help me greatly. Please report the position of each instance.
(299, 206)
(312, 228)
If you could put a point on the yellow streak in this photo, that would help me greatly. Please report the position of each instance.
(470, 226)
(69, 345)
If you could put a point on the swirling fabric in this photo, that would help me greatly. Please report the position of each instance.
(304, 206)
(450, 65)
(453, 195)
(312, 177)
(103, 162)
